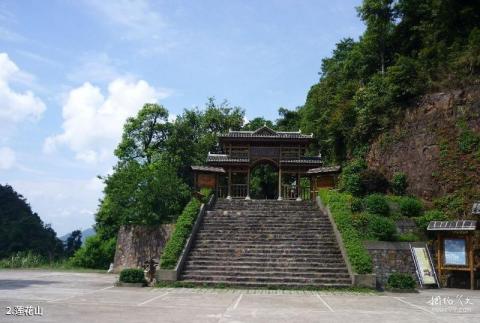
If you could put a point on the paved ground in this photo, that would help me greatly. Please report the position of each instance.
(87, 297)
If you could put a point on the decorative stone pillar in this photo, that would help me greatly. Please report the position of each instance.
(299, 198)
(280, 183)
(229, 195)
(248, 185)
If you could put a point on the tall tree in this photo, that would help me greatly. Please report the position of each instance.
(22, 230)
(73, 243)
(378, 16)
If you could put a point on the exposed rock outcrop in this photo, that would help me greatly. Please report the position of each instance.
(137, 243)
(437, 145)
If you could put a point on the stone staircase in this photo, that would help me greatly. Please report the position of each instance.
(262, 243)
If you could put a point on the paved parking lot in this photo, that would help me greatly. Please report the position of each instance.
(89, 297)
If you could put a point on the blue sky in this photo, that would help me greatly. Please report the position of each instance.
(72, 71)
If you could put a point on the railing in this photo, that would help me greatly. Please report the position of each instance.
(239, 190)
(292, 192)
(222, 191)
(289, 192)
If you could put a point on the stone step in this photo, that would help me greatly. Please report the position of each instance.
(278, 267)
(264, 279)
(272, 244)
(244, 226)
(266, 243)
(265, 252)
(253, 235)
(324, 261)
(265, 284)
(270, 274)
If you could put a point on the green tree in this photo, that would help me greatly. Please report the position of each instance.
(289, 120)
(22, 230)
(258, 122)
(73, 243)
(144, 136)
(137, 193)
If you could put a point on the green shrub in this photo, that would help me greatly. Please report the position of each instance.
(206, 192)
(374, 227)
(401, 281)
(339, 205)
(183, 227)
(95, 253)
(399, 184)
(432, 215)
(380, 228)
(376, 204)
(373, 181)
(408, 237)
(350, 180)
(411, 207)
(356, 205)
(132, 275)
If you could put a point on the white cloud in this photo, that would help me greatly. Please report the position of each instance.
(16, 106)
(7, 158)
(93, 123)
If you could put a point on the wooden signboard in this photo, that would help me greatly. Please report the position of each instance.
(206, 180)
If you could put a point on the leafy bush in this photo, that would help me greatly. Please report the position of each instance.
(95, 253)
(399, 184)
(175, 244)
(23, 259)
(381, 228)
(432, 215)
(356, 205)
(411, 207)
(376, 204)
(374, 227)
(401, 281)
(338, 203)
(408, 237)
(206, 192)
(132, 275)
(373, 181)
(350, 180)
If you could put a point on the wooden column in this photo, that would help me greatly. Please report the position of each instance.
(470, 261)
(229, 195)
(439, 258)
(280, 183)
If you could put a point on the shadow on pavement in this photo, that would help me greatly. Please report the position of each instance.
(9, 284)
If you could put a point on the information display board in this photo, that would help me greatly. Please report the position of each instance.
(425, 271)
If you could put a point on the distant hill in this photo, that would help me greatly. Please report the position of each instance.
(85, 234)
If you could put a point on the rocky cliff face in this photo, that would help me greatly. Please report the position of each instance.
(437, 145)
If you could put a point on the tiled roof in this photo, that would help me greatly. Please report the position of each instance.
(266, 132)
(459, 225)
(324, 170)
(302, 160)
(208, 169)
(476, 208)
(225, 159)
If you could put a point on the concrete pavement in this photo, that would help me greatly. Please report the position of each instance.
(90, 297)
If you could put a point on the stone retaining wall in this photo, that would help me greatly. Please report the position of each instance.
(137, 243)
(391, 257)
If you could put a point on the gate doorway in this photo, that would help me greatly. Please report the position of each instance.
(264, 181)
